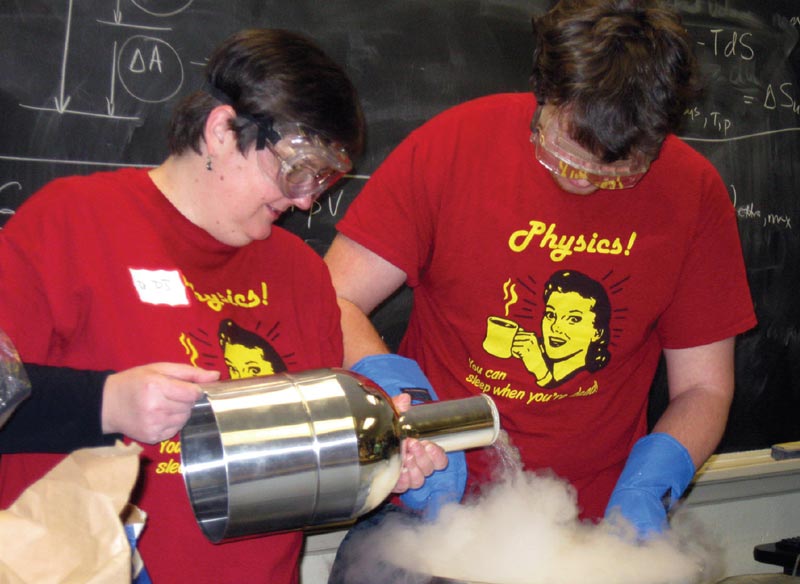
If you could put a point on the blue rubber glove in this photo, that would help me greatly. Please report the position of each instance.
(655, 476)
(396, 375)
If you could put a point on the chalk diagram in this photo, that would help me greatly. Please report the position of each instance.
(142, 66)
(132, 63)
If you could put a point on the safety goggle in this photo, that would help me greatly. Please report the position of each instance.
(561, 155)
(309, 163)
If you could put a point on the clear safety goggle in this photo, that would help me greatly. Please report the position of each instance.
(309, 163)
(561, 155)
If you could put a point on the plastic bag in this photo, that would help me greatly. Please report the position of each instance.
(14, 383)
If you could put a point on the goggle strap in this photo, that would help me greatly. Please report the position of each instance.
(266, 131)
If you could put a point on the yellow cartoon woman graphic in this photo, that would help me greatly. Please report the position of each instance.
(575, 331)
(247, 354)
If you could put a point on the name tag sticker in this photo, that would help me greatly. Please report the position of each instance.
(159, 287)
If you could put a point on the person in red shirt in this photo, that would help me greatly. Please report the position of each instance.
(558, 243)
(150, 272)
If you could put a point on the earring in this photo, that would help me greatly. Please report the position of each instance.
(208, 164)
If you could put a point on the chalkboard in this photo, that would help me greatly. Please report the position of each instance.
(88, 85)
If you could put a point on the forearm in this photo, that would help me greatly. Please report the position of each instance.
(62, 413)
(701, 390)
(362, 280)
(697, 418)
(360, 337)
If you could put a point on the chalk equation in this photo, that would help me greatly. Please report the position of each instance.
(717, 122)
(751, 76)
(749, 211)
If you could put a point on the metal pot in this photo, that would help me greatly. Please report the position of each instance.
(318, 448)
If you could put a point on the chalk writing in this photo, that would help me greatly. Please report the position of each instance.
(161, 7)
(749, 212)
(737, 54)
(714, 119)
(776, 96)
(6, 187)
(144, 62)
(783, 221)
(784, 99)
(732, 44)
(330, 203)
(148, 68)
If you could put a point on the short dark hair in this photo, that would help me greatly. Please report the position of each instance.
(278, 74)
(624, 68)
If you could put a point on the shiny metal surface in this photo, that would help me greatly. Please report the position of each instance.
(286, 451)
(303, 450)
(476, 418)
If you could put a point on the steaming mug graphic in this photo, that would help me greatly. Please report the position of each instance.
(500, 334)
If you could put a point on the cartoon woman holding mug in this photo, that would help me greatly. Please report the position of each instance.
(575, 330)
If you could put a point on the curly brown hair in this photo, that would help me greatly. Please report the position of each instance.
(624, 69)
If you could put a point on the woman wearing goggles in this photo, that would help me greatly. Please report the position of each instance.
(309, 162)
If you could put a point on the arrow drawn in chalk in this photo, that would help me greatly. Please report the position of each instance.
(61, 101)
(110, 99)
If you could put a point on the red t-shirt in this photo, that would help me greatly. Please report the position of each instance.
(493, 247)
(102, 272)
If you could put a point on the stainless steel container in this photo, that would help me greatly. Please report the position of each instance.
(311, 449)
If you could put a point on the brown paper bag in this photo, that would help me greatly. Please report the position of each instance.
(66, 527)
